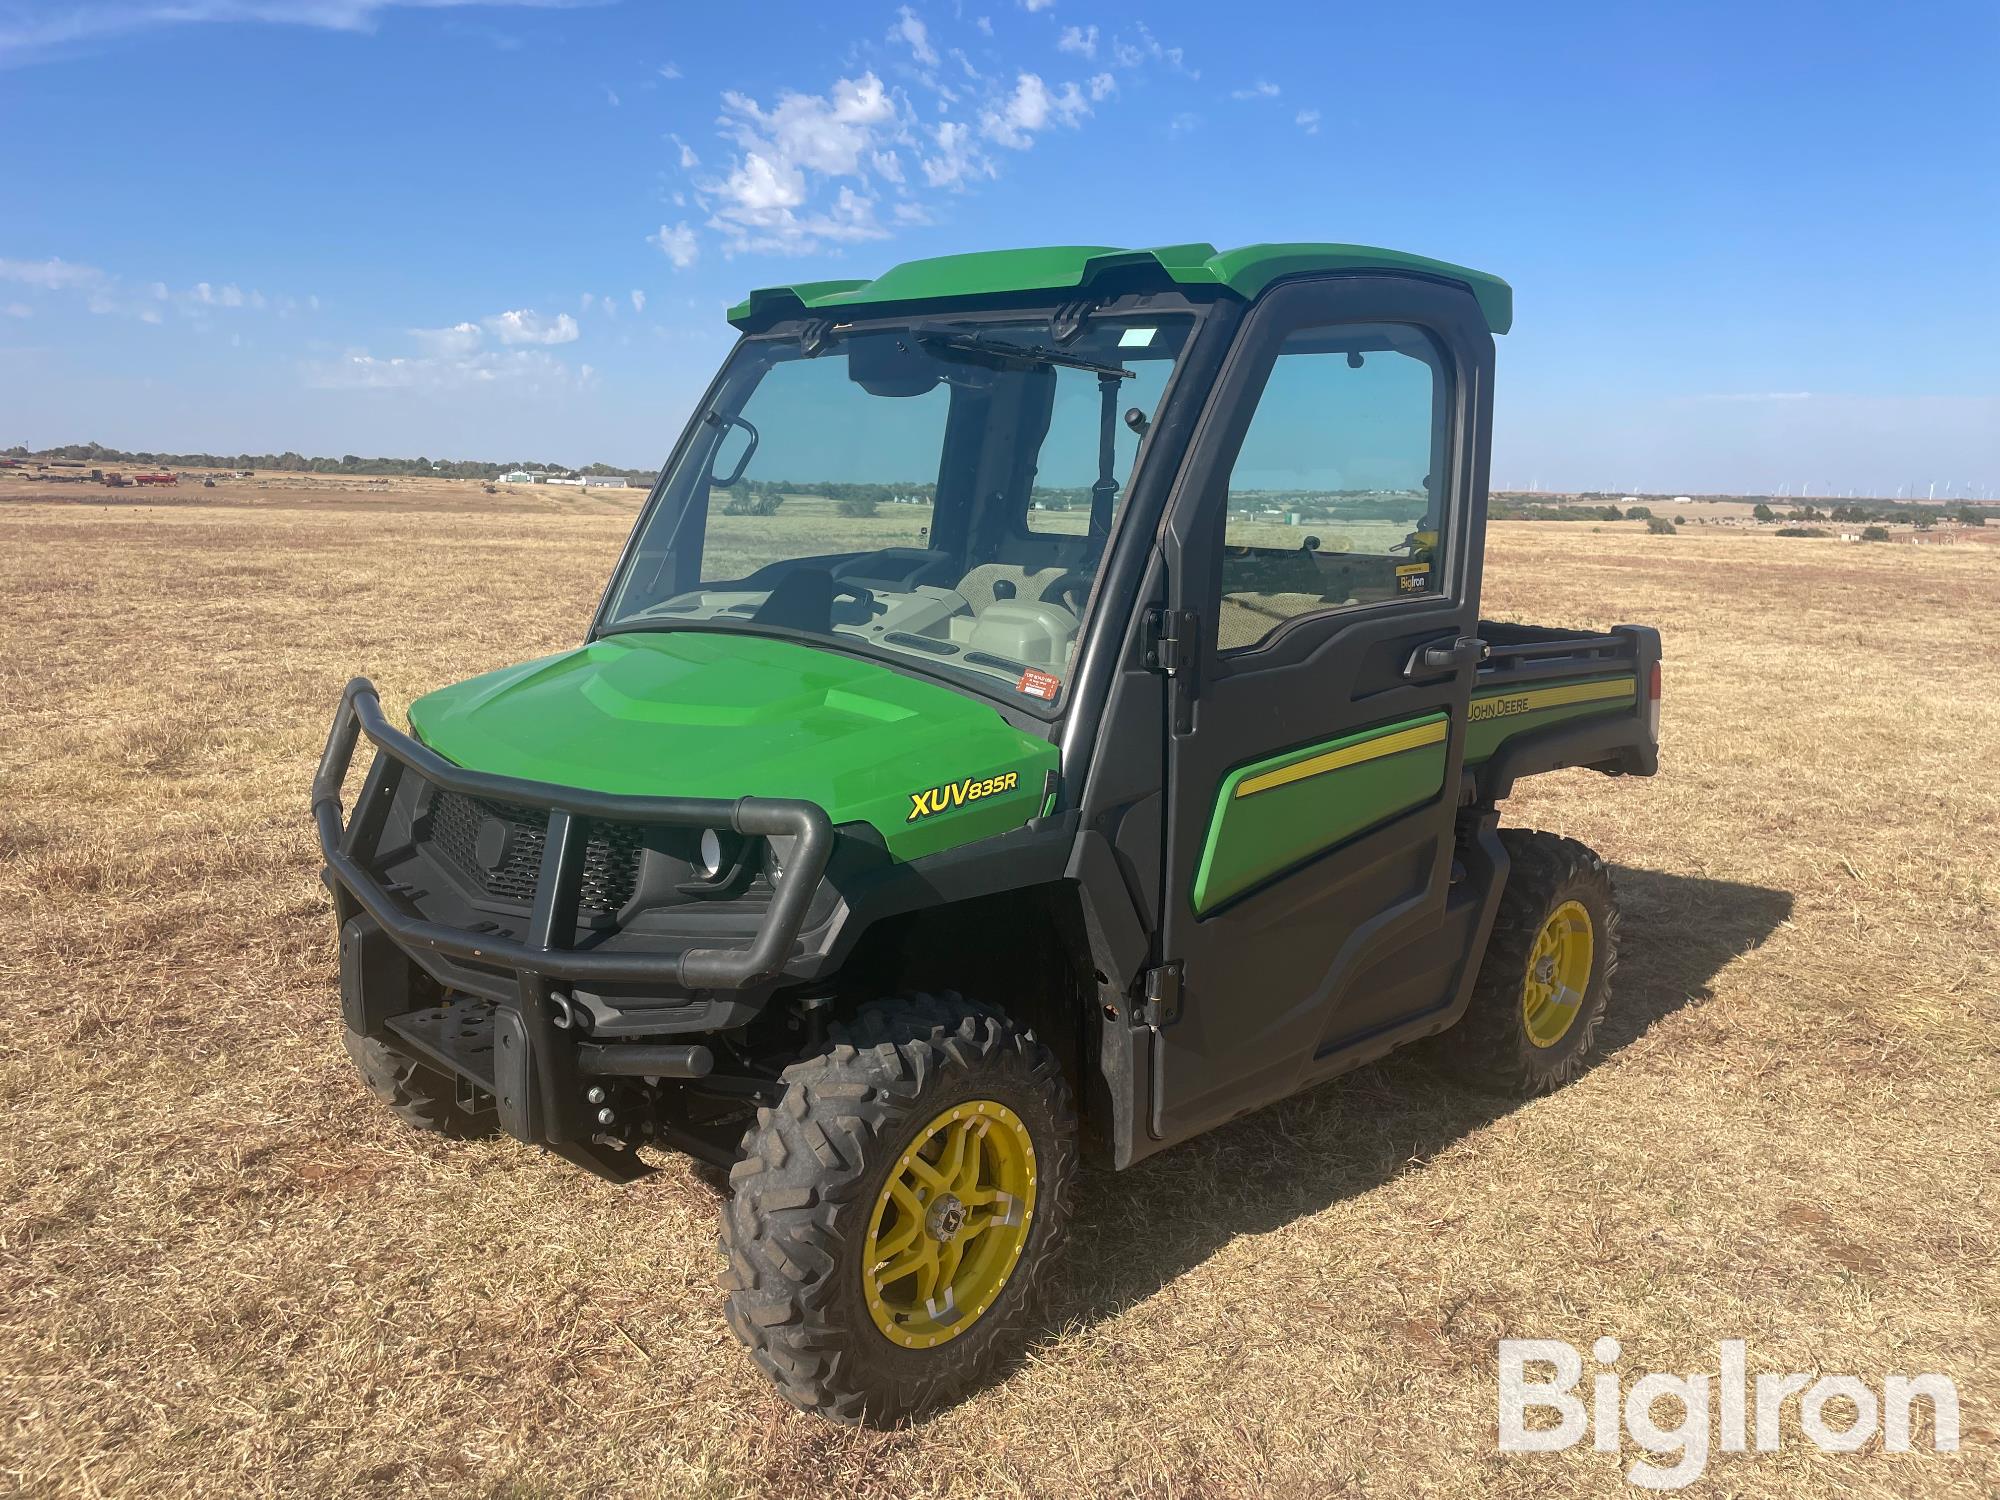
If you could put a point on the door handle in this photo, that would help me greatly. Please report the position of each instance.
(1447, 655)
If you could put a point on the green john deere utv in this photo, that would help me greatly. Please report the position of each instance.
(1042, 712)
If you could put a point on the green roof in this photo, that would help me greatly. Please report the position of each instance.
(1057, 268)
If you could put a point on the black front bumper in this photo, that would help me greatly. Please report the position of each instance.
(509, 1045)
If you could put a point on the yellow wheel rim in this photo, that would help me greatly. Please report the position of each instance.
(1558, 974)
(950, 1224)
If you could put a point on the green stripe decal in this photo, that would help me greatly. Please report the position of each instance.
(1502, 713)
(1273, 813)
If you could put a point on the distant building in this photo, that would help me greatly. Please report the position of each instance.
(1631, 500)
(606, 482)
(1683, 499)
(520, 476)
(579, 483)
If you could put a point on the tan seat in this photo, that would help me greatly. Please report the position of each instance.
(977, 587)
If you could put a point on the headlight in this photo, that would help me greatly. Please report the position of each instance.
(708, 857)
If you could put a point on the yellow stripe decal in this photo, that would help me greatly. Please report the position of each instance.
(1506, 703)
(1350, 755)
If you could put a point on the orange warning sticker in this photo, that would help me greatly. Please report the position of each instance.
(1039, 684)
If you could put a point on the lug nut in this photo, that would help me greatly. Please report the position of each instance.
(606, 1117)
(595, 1096)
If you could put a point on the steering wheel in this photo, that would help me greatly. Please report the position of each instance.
(860, 593)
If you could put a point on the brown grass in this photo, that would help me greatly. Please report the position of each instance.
(224, 1270)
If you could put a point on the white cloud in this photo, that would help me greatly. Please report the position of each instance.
(958, 157)
(1261, 89)
(459, 339)
(638, 300)
(669, 72)
(526, 326)
(106, 294)
(790, 151)
(861, 158)
(610, 95)
(1754, 396)
(1307, 120)
(527, 371)
(586, 300)
(1029, 109)
(1034, 5)
(209, 296)
(17, 310)
(52, 275)
(808, 130)
(25, 36)
(1147, 48)
(678, 245)
(908, 29)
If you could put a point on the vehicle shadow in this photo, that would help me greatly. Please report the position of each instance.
(1136, 1231)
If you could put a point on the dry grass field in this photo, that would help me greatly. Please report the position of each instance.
(225, 1270)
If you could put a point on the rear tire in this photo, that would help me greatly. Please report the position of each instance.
(827, 1204)
(1545, 983)
(422, 1097)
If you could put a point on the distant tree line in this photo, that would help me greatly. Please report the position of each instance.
(1508, 510)
(298, 463)
(764, 497)
(1900, 513)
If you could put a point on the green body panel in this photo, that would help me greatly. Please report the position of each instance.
(1484, 735)
(1342, 787)
(701, 714)
(1066, 268)
(1251, 837)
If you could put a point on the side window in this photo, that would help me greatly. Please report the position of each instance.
(1337, 496)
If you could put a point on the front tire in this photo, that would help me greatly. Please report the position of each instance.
(1545, 983)
(421, 1097)
(895, 1215)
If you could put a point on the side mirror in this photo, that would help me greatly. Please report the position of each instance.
(734, 448)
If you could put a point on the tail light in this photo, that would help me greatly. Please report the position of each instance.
(1653, 704)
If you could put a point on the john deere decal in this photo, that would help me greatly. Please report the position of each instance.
(939, 799)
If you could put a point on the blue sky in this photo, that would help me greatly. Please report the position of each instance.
(1752, 245)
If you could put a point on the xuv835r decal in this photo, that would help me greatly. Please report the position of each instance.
(937, 799)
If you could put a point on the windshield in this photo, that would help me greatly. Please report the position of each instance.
(937, 494)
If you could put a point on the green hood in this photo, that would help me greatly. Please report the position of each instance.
(701, 714)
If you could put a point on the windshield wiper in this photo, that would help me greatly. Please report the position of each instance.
(1031, 355)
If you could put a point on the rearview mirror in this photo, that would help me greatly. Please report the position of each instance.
(891, 364)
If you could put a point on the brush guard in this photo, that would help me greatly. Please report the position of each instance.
(517, 1055)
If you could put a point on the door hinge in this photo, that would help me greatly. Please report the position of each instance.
(1170, 638)
(1162, 1005)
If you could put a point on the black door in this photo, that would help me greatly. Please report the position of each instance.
(1325, 536)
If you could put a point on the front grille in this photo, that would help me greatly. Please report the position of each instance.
(610, 859)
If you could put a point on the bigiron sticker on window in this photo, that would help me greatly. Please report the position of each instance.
(955, 794)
